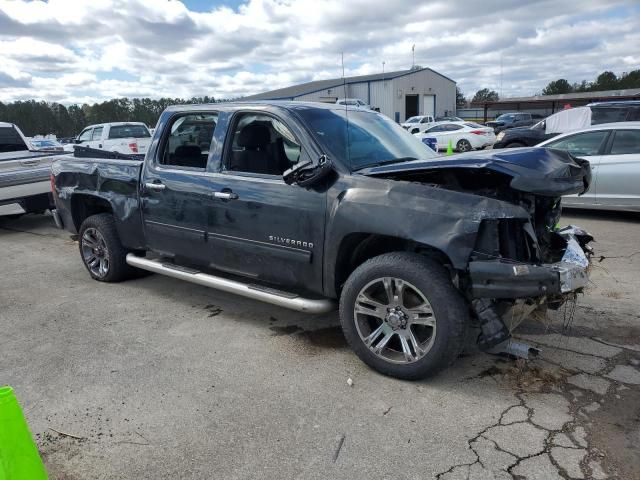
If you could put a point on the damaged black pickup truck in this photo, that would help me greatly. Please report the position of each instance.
(303, 205)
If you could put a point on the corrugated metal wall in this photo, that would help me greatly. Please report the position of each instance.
(424, 82)
(389, 95)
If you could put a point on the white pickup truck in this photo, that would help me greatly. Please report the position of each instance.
(24, 174)
(131, 138)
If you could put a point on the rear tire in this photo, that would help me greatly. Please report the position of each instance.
(101, 251)
(464, 145)
(411, 335)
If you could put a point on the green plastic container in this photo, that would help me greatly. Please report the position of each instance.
(19, 459)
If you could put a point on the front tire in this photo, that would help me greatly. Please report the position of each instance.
(402, 316)
(101, 250)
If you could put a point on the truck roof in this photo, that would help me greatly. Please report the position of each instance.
(114, 124)
(285, 104)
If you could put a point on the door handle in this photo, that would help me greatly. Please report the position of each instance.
(155, 186)
(225, 195)
(29, 163)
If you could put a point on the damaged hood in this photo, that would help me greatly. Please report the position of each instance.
(541, 171)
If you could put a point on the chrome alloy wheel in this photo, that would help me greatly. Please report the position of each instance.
(94, 252)
(395, 320)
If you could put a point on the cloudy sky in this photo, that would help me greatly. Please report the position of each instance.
(74, 51)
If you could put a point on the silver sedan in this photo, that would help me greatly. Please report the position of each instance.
(613, 149)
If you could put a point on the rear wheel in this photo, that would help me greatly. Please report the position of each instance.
(463, 145)
(402, 315)
(101, 250)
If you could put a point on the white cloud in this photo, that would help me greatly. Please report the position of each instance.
(78, 51)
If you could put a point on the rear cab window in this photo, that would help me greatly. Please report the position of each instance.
(97, 133)
(188, 142)
(10, 140)
(128, 131)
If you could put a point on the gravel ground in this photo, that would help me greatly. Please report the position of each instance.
(156, 378)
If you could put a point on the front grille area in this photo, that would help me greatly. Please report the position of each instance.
(505, 239)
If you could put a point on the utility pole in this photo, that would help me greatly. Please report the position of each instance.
(413, 54)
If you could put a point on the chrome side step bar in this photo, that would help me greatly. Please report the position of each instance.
(255, 292)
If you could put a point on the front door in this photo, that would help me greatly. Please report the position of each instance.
(587, 145)
(618, 171)
(175, 190)
(411, 106)
(258, 226)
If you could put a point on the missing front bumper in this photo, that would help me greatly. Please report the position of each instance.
(502, 279)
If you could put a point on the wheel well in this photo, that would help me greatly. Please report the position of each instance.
(83, 206)
(357, 248)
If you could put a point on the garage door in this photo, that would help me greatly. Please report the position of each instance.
(429, 105)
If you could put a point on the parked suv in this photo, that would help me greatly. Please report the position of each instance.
(511, 120)
(121, 137)
(601, 112)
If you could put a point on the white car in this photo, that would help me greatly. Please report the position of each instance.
(418, 124)
(122, 137)
(464, 136)
(613, 150)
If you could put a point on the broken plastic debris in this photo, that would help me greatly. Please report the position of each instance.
(350, 382)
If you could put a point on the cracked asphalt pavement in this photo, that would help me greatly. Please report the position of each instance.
(156, 378)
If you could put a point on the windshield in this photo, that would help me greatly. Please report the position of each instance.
(372, 138)
(506, 116)
(413, 120)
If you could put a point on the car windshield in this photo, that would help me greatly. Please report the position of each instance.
(413, 120)
(506, 116)
(370, 139)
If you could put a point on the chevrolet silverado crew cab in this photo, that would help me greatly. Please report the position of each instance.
(311, 206)
(121, 137)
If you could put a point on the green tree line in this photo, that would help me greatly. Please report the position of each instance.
(43, 118)
(605, 81)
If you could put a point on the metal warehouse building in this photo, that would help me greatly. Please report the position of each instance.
(399, 95)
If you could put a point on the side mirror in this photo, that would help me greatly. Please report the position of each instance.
(306, 174)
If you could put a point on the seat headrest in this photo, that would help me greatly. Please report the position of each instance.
(188, 151)
(254, 136)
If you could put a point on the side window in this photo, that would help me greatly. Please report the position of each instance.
(626, 142)
(425, 120)
(97, 133)
(85, 136)
(452, 127)
(608, 114)
(582, 143)
(262, 144)
(189, 140)
(437, 128)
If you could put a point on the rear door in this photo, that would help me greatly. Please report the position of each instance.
(259, 226)
(175, 191)
(96, 138)
(587, 145)
(618, 172)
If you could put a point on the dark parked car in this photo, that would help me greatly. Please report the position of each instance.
(601, 112)
(511, 120)
(302, 205)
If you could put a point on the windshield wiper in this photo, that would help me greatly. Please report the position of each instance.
(386, 162)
